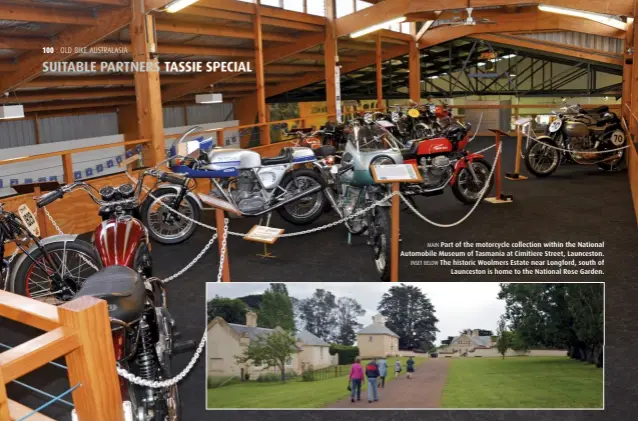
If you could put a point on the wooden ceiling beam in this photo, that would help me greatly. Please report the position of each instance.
(204, 29)
(24, 43)
(265, 11)
(46, 15)
(110, 2)
(90, 81)
(76, 105)
(554, 48)
(30, 65)
(320, 57)
(69, 94)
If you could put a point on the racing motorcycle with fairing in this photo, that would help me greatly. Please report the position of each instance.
(142, 328)
(351, 186)
(585, 137)
(443, 161)
(254, 185)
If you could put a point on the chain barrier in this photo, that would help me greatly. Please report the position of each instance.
(481, 195)
(222, 252)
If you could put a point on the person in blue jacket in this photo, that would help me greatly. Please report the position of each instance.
(372, 373)
(410, 367)
(383, 372)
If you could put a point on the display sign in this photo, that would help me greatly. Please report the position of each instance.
(219, 203)
(129, 160)
(414, 113)
(522, 121)
(263, 234)
(29, 220)
(396, 173)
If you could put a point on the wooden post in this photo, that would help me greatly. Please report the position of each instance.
(148, 94)
(36, 121)
(92, 364)
(499, 197)
(379, 72)
(4, 401)
(67, 166)
(264, 130)
(330, 57)
(414, 67)
(516, 175)
(220, 138)
(221, 229)
(394, 249)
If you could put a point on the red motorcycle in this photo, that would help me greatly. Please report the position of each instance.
(142, 326)
(443, 161)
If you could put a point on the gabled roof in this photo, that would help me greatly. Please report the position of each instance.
(309, 339)
(376, 329)
(483, 341)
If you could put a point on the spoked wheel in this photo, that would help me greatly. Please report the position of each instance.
(380, 241)
(466, 188)
(73, 261)
(541, 159)
(168, 227)
(307, 209)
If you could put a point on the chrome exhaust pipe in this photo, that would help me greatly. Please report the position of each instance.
(285, 202)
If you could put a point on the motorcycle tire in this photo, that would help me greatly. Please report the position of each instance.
(528, 163)
(188, 230)
(317, 209)
(381, 219)
(20, 284)
(460, 195)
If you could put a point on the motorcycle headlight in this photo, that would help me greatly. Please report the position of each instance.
(395, 117)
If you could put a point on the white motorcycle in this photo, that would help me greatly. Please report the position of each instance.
(254, 185)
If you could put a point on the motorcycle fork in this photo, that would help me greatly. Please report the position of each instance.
(180, 196)
(470, 168)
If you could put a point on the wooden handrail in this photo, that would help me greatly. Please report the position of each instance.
(80, 330)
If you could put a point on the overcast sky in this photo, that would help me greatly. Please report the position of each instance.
(458, 305)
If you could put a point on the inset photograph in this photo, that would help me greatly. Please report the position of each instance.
(405, 346)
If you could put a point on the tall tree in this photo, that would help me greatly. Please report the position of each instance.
(503, 343)
(447, 341)
(276, 308)
(271, 350)
(485, 332)
(410, 314)
(348, 310)
(319, 315)
(230, 309)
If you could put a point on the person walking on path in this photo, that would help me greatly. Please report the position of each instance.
(356, 377)
(372, 373)
(383, 371)
(410, 367)
(397, 368)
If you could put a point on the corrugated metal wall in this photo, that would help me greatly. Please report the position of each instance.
(579, 39)
(14, 133)
(71, 127)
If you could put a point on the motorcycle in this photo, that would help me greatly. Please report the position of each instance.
(142, 328)
(254, 185)
(591, 138)
(50, 269)
(443, 161)
(351, 186)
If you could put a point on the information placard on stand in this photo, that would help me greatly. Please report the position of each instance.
(263, 234)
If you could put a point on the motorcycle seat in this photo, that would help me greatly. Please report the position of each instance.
(324, 151)
(121, 287)
(599, 110)
(411, 152)
(284, 157)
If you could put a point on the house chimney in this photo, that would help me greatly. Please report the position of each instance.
(475, 332)
(378, 319)
(251, 319)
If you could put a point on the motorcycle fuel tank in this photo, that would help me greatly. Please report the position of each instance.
(233, 158)
(576, 129)
(302, 154)
(117, 240)
(434, 146)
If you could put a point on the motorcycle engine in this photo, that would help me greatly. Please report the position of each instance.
(586, 149)
(247, 194)
(432, 169)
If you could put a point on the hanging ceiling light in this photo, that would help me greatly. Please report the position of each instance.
(376, 27)
(596, 17)
(11, 111)
(178, 5)
(208, 98)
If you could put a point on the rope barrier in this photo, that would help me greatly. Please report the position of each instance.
(42, 392)
(47, 404)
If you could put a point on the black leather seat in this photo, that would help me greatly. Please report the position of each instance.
(121, 287)
(411, 151)
(599, 110)
(284, 157)
(324, 151)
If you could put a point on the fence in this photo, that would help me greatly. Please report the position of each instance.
(326, 373)
(80, 331)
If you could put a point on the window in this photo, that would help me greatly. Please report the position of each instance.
(370, 338)
(316, 7)
(289, 361)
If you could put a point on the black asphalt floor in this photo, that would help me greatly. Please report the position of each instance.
(577, 203)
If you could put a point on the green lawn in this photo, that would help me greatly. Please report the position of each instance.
(523, 382)
(292, 394)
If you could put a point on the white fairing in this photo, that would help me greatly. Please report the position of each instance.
(271, 175)
(240, 159)
(301, 155)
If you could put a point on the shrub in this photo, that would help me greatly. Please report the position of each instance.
(346, 353)
(308, 375)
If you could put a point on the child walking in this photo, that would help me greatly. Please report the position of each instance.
(397, 368)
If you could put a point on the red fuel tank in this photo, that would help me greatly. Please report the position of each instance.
(434, 146)
(117, 240)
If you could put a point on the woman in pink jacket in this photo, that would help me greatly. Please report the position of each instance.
(356, 377)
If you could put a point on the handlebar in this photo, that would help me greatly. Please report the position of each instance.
(52, 196)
